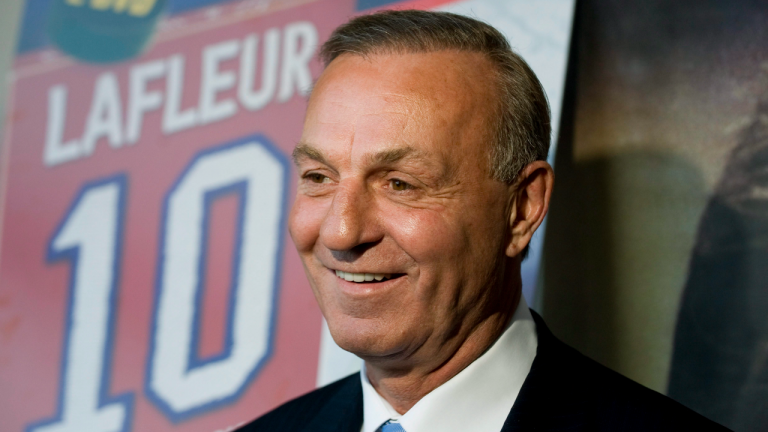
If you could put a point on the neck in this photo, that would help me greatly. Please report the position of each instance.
(403, 385)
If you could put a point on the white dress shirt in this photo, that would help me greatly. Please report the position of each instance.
(478, 398)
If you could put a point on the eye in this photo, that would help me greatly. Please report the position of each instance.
(399, 185)
(316, 178)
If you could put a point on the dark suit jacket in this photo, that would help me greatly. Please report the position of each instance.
(564, 391)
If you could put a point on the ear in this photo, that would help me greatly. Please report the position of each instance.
(529, 202)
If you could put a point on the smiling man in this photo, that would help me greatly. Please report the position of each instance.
(422, 177)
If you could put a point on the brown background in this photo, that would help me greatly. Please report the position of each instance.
(658, 96)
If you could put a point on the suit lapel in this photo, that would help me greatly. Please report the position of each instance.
(543, 403)
(343, 412)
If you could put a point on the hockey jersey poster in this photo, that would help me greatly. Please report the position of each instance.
(147, 279)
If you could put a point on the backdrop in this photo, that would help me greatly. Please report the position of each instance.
(655, 258)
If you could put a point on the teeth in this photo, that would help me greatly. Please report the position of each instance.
(362, 277)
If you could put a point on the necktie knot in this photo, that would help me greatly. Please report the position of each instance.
(391, 426)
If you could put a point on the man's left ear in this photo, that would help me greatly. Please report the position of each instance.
(529, 198)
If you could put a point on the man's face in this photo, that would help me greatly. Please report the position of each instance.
(394, 180)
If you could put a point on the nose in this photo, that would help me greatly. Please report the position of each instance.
(350, 223)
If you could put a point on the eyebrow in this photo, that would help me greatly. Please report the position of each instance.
(390, 156)
(304, 150)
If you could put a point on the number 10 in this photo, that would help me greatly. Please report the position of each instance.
(178, 382)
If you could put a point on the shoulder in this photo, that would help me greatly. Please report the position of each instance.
(614, 402)
(569, 389)
(338, 401)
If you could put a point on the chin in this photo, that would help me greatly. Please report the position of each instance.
(363, 337)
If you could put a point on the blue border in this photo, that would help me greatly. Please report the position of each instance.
(152, 396)
(369, 4)
(72, 255)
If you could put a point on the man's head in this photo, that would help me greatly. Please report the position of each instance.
(520, 123)
(403, 175)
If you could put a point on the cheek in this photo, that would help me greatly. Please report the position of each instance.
(427, 236)
(304, 222)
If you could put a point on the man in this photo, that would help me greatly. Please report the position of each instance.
(422, 177)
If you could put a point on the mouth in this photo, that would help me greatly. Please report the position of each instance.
(366, 277)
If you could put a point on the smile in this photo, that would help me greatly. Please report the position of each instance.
(362, 277)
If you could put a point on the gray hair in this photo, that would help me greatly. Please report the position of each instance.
(521, 127)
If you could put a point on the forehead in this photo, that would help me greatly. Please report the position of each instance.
(416, 99)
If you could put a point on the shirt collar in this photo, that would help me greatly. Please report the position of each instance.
(478, 398)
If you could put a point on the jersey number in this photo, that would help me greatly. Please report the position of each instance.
(178, 382)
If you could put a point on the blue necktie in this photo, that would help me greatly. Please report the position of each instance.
(390, 426)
